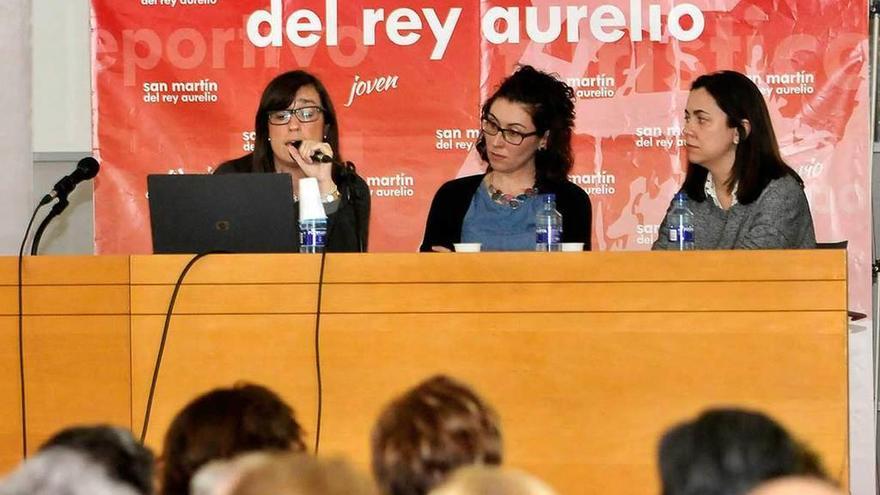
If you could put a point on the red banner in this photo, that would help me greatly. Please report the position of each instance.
(177, 83)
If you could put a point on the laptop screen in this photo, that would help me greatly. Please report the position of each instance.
(238, 213)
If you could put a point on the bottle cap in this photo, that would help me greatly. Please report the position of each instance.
(310, 207)
(680, 196)
(548, 198)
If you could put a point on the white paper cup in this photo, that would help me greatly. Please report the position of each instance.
(310, 207)
(572, 246)
(467, 247)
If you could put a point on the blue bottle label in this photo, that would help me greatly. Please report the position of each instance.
(680, 234)
(312, 238)
(542, 237)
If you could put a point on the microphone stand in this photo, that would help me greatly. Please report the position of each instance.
(56, 210)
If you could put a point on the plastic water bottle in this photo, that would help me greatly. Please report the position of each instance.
(312, 235)
(548, 225)
(680, 224)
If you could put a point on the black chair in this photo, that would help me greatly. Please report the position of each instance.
(832, 245)
(853, 316)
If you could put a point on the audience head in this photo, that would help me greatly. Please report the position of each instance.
(796, 485)
(298, 474)
(124, 458)
(222, 424)
(535, 114)
(317, 121)
(428, 432)
(62, 471)
(483, 480)
(726, 114)
(221, 476)
(729, 452)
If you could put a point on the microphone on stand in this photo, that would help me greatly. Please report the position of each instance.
(85, 169)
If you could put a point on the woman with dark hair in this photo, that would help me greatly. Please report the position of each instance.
(730, 452)
(526, 142)
(221, 424)
(295, 122)
(741, 192)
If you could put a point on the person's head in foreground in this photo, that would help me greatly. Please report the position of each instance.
(62, 471)
(124, 458)
(428, 432)
(223, 423)
(729, 452)
(486, 480)
(299, 474)
(796, 485)
(219, 477)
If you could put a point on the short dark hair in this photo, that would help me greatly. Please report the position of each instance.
(550, 102)
(114, 448)
(729, 452)
(757, 160)
(278, 95)
(422, 436)
(221, 424)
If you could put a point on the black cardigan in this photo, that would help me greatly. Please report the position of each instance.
(453, 200)
(348, 227)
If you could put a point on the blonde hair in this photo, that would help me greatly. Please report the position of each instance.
(484, 480)
(301, 474)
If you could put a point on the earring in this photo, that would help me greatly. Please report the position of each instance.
(736, 140)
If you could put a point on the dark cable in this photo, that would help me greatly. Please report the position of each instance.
(165, 336)
(320, 386)
(318, 348)
(56, 210)
(21, 332)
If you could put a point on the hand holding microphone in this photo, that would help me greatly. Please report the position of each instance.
(314, 151)
(315, 159)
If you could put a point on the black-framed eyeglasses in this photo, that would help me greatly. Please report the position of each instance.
(511, 136)
(302, 114)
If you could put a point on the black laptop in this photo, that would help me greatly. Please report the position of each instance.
(237, 213)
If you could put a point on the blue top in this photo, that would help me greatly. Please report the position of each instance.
(499, 227)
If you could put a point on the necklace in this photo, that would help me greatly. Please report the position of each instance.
(510, 200)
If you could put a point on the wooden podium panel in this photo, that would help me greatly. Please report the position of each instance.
(242, 318)
(584, 397)
(208, 351)
(76, 343)
(588, 357)
(10, 392)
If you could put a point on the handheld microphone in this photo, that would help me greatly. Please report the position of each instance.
(85, 170)
(317, 155)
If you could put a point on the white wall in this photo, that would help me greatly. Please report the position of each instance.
(62, 121)
(15, 123)
(62, 76)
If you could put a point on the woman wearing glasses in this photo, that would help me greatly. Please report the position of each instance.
(526, 142)
(295, 124)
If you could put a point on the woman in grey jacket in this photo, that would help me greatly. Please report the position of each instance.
(741, 192)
